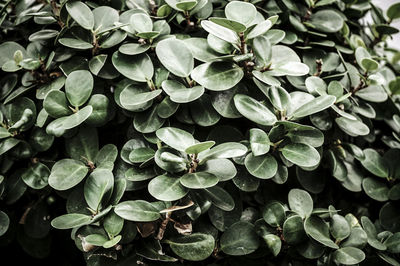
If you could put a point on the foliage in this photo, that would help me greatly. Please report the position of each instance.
(210, 132)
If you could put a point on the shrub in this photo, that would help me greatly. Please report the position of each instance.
(216, 132)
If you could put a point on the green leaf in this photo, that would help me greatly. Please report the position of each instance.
(135, 67)
(98, 188)
(259, 142)
(254, 110)
(259, 29)
(224, 169)
(348, 256)
(393, 11)
(242, 12)
(199, 180)
(104, 18)
(300, 202)
(56, 104)
(78, 87)
(137, 211)
(81, 13)
(263, 166)
(274, 243)
(219, 198)
(141, 155)
(327, 20)
(194, 247)
(392, 243)
(340, 228)
(71, 220)
(59, 126)
(375, 163)
(181, 94)
(186, 4)
(141, 22)
(293, 230)
(221, 32)
(375, 189)
(36, 176)
(113, 224)
(230, 24)
(175, 138)
(175, 56)
(274, 214)
(217, 76)
(301, 154)
(167, 188)
(199, 147)
(224, 150)
(369, 64)
(133, 48)
(279, 98)
(84, 146)
(318, 230)
(314, 106)
(239, 239)
(75, 43)
(67, 173)
(131, 99)
(352, 127)
(4, 223)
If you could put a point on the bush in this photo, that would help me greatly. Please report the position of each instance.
(201, 131)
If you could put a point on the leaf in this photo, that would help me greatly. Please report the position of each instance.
(263, 166)
(314, 106)
(327, 21)
(75, 43)
(219, 198)
(375, 189)
(259, 142)
(166, 188)
(229, 24)
(141, 22)
(131, 99)
(300, 202)
(217, 76)
(141, 155)
(175, 56)
(56, 104)
(224, 169)
(175, 138)
(392, 243)
(393, 11)
(36, 176)
(71, 220)
(78, 87)
(62, 124)
(67, 173)
(374, 163)
(352, 127)
(194, 247)
(4, 223)
(274, 214)
(181, 94)
(98, 188)
(301, 154)
(136, 67)
(279, 98)
(242, 12)
(259, 29)
(137, 211)
(224, 150)
(81, 13)
(318, 230)
(133, 48)
(219, 31)
(254, 110)
(199, 180)
(199, 147)
(348, 256)
(340, 228)
(293, 230)
(84, 146)
(239, 239)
